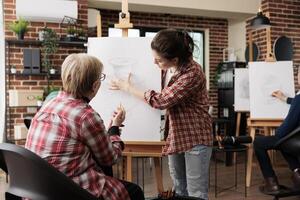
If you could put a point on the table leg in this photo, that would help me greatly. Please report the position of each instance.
(158, 175)
(250, 158)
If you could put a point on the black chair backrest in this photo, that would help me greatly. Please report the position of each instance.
(2, 163)
(290, 143)
(34, 178)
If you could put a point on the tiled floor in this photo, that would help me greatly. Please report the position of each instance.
(225, 179)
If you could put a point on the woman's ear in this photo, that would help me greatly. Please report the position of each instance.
(175, 61)
(96, 86)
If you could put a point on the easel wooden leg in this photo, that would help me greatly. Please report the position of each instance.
(273, 152)
(158, 175)
(129, 168)
(250, 158)
(99, 25)
(238, 123)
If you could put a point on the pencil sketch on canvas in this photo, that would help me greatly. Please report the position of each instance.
(265, 78)
(241, 90)
(121, 57)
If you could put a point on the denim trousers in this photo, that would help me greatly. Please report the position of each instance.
(261, 146)
(190, 171)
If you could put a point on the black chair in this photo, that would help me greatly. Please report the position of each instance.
(291, 145)
(32, 177)
(2, 163)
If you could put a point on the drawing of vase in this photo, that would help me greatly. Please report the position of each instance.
(122, 66)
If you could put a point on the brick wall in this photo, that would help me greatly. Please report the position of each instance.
(15, 57)
(285, 20)
(218, 33)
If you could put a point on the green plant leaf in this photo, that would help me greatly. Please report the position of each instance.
(19, 26)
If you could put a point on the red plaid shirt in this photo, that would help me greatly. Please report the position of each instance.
(70, 135)
(186, 101)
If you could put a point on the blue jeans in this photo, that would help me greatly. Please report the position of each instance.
(190, 171)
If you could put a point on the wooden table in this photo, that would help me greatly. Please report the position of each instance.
(144, 149)
(269, 125)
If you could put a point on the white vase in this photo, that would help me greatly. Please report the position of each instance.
(52, 71)
(13, 70)
(41, 35)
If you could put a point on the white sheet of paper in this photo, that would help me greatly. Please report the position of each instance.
(241, 90)
(264, 78)
(121, 56)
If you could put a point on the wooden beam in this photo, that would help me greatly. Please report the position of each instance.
(99, 25)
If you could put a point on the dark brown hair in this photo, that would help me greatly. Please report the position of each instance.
(172, 43)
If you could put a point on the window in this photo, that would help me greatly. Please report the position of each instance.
(198, 54)
(198, 37)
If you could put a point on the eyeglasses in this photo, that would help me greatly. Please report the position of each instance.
(102, 77)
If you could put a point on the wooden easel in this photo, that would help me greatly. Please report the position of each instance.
(268, 125)
(238, 121)
(144, 149)
(270, 55)
(124, 19)
(253, 124)
(137, 148)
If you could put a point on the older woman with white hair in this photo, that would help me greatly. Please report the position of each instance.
(69, 134)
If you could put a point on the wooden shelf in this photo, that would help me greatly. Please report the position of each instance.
(38, 43)
(23, 106)
(38, 74)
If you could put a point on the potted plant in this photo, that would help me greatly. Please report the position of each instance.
(39, 101)
(217, 75)
(19, 27)
(49, 47)
(71, 33)
(81, 34)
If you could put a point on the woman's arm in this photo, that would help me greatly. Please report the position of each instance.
(292, 119)
(185, 85)
(279, 95)
(106, 148)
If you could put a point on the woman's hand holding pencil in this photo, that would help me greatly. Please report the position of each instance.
(118, 116)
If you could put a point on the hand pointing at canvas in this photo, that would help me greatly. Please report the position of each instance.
(126, 86)
(120, 84)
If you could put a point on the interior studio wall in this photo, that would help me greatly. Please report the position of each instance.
(285, 20)
(2, 75)
(237, 37)
(15, 57)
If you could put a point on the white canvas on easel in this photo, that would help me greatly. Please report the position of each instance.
(241, 90)
(264, 78)
(121, 56)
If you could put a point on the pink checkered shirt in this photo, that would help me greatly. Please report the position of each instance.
(70, 135)
(185, 99)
